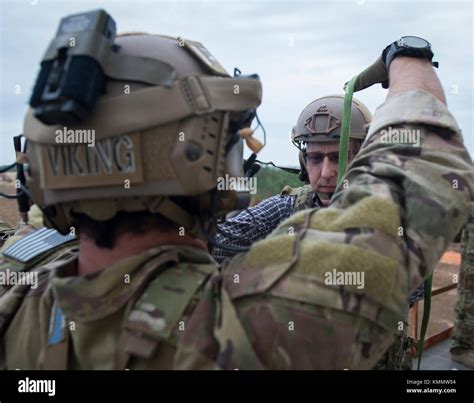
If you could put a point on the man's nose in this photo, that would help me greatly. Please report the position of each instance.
(328, 170)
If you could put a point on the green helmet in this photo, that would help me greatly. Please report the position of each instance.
(165, 124)
(321, 121)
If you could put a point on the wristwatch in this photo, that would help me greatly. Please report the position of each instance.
(411, 46)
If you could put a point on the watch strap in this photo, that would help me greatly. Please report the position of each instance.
(394, 50)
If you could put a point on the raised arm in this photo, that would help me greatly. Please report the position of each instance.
(409, 74)
(329, 288)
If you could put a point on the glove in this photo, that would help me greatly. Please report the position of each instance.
(376, 73)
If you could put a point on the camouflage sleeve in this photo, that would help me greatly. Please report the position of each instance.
(463, 332)
(328, 289)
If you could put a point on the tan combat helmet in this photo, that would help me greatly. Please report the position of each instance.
(166, 123)
(321, 121)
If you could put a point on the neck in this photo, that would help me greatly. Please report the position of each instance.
(325, 202)
(93, 258)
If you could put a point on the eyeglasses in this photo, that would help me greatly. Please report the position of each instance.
(315, 158)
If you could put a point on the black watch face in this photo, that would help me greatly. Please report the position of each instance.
(413, 42)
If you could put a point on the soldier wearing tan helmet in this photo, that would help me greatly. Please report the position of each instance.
(141, 290)
(316, 135)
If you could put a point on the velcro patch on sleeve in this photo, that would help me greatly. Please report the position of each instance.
(35, 244)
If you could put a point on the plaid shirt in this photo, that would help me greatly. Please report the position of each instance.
(252, 224)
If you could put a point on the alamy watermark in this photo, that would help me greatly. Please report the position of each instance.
(400, 136)
(355, 278)
(28, 385)
(228, 182)
(12, 278)
(75, 136)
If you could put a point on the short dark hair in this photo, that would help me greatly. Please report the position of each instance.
(105, 233)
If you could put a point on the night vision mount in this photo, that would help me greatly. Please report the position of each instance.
(76, 65)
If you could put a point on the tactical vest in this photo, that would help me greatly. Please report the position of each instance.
(171, 292)
(305, 197)
(171, 289)
(176, 292)
(140, 336)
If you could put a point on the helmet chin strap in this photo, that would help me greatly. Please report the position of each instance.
(324, 198)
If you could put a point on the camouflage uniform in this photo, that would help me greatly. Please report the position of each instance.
(172, 307)
(398, 355)
(304, 197)
(463, 336)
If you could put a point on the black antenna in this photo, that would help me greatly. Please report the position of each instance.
(22, 197)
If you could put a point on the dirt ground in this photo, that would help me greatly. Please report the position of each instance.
(442, 305)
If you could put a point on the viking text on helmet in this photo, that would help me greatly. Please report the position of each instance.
(107, 156)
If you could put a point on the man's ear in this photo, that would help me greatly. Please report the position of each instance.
(356, 148)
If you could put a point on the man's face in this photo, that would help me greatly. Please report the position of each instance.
(322, 164)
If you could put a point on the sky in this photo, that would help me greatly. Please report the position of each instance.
(301, 50)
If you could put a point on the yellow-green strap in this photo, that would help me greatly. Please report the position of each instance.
(343, 157)
(426, 317)
(346, 123)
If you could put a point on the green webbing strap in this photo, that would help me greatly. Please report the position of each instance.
(346, 124)
(343, 156)
(426, 317)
